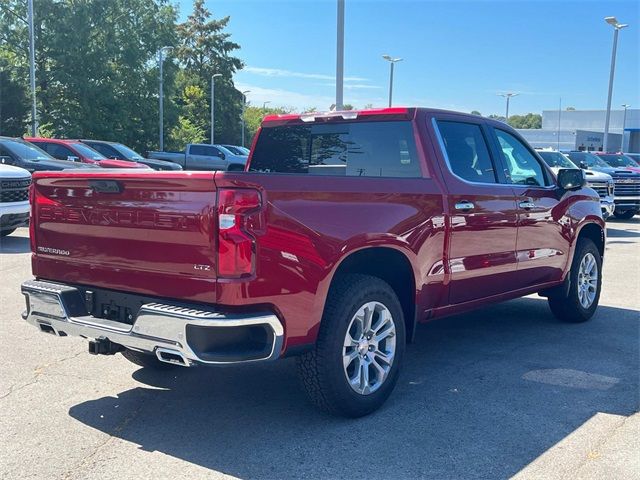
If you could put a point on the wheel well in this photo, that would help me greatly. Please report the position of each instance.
(391, 266)
(595, 233)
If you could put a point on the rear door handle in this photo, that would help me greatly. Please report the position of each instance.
(527, 205)
(465, 206)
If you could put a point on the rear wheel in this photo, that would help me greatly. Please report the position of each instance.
(357, 357)
(626, 215)
(579, 302)
(147, 360)
(4, 233)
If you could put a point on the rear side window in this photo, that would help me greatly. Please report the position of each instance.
(205, 151)
(467, 151)
(357, 149)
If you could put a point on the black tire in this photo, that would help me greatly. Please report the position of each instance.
(565, 303)
(146, 360)
(321, 370)
(4, 233)
(626, 215)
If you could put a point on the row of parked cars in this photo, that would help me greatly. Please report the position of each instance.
(615, 176)
(48, 154)
(19, 157)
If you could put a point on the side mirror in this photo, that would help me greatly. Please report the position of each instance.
(73, 158)
(5, 160)
(222, 155)
(583, 165)
(571, 179)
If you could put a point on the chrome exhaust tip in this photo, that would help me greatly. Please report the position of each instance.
(173, 357)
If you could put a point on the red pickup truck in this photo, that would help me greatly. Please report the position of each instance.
(345, 231)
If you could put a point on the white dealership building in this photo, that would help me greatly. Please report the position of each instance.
(584, 130)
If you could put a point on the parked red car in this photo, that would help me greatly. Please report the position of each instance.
(346, 230)
(75, 150)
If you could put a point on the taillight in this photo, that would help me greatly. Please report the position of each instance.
(32, 222)
(236, 245)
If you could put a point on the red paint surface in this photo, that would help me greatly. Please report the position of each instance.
(157, 234)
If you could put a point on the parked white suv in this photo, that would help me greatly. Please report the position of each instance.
(14, 198)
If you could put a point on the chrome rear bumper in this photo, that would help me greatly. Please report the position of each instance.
(173, 333)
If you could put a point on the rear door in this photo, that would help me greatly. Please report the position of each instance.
(481, 212)
(541, 247)
(205, 157)
(142, 232)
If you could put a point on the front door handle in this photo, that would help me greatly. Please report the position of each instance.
(527, 205)
(465, 206)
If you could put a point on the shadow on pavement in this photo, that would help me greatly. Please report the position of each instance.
(617, 233)
(481, 396)
(14, 244)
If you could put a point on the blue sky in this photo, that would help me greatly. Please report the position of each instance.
(457, 54)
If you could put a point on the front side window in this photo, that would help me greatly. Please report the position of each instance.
(522, 166)
(205, 151)
(58, 151)
(467, 152)
(88, 152)
(356, 149)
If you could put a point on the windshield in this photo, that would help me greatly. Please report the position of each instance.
(619, 161)
(127, 152)
(87, 152)
(589, 159)
(556, 159)
(26, 151)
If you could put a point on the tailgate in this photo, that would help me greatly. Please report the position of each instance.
(143, 232)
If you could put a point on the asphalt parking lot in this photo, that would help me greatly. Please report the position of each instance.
(501, 392)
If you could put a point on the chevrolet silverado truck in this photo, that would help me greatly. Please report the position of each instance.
(626, 195)
(14, 198)
(201, 156)
(601, 182)
(346, 230)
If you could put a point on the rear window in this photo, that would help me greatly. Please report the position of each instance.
(359, 149)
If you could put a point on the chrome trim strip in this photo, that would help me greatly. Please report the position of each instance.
(157, 326)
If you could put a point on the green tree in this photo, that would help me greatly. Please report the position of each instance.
(205, 49)
(185, 132)
(530, 120)
(14, 103)
(253, 118)
(96, 67)
(476, 112)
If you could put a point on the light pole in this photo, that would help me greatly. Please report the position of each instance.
(340, 56)
(213, 96)
(508, 96)
(559, 118)
(32, 69)
(392, 61)
(616, 28)
(624, 123)
(161, 96)
(264, 104)
(244, 104)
